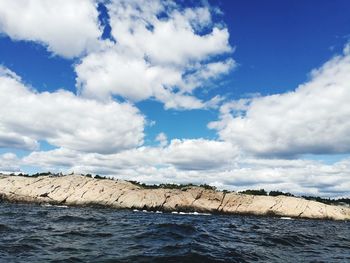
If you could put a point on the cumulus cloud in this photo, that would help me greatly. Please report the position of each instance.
(207, 72)
(295, 176)
(312, 119)
(203, 161)
(9, 163)
(186, 154)
(118, 72)
(199, 154)
(13, 140)
(164, 32)
(162, 139)
(161, 51)
(68, 28)
(64, 120)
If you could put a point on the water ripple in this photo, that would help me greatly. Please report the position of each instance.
(33, 233)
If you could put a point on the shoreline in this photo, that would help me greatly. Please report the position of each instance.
(77, 190)
(179, 213)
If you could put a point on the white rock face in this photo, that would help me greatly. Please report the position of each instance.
(80, 190)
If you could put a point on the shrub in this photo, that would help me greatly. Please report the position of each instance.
(99, 177)
(42, 174)
(208, 187)
(169, 186)
(254, 192)
(277, 193)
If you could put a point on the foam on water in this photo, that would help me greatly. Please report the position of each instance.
(173, 212)
(50, 205)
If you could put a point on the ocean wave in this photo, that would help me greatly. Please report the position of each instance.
(43, 234)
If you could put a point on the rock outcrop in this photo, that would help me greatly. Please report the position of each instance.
(80, 190)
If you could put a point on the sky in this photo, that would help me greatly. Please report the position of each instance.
(236, 94)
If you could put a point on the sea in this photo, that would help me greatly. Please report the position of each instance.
(39, 233)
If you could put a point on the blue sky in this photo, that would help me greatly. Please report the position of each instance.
(279, 43)
(238, 52)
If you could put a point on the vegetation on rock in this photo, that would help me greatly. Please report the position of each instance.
(184, 187)
(254, 192)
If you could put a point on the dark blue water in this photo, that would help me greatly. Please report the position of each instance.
(33, 233)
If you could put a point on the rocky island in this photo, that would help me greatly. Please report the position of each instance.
(83, 191)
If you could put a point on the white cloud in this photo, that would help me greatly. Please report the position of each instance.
(190, 154)
(173, 39)
(295, 176)
(115, 71)
(199, 154)
(166, 52)
(9, 163)
(201, 161)
(64, 120)
(160, 52)
(206, 72)
(312, 119)
(162, 139)
(10, 139)
(67, 28)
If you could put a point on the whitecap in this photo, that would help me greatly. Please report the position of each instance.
(61, 206)
(191, 213)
